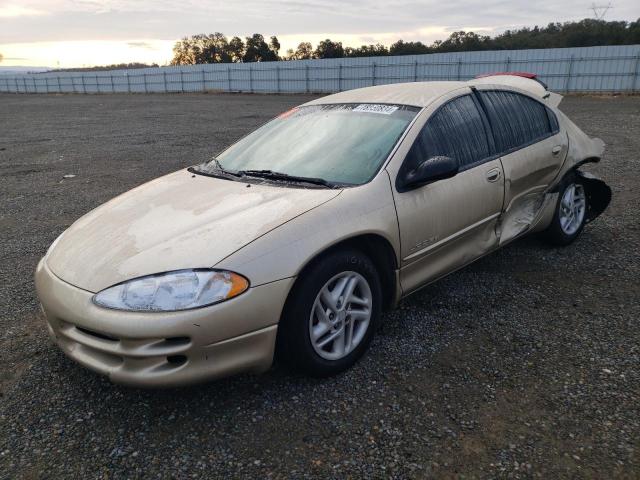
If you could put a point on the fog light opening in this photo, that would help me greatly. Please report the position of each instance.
(177, 360)
(177, 341)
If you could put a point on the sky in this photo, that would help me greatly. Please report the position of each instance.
(76, 33)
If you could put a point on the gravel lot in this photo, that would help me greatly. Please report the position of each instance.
(525, 364)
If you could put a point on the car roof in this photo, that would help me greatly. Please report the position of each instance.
(421, 94)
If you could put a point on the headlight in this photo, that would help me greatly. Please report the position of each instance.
(171, 291)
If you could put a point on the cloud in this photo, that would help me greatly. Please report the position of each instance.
(167, 19)
(145, 45)
(12, 11)
(143, 25)
(85, 53)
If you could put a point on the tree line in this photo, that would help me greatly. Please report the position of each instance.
(217, 48)
(115, 66)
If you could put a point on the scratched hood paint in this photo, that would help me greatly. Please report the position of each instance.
(174, 222)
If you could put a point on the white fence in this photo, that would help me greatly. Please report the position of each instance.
(608, 69)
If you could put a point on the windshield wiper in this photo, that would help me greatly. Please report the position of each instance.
(205, 169)
(224, 170)
(271, 175)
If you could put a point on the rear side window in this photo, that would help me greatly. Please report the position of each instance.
(516, 119)
(553, 121)
(456, 130)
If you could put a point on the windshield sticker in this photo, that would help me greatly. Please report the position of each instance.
(288, 113)
(374, 108)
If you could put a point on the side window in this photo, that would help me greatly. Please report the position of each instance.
(553, 121)
(516, 119)
(456, 130)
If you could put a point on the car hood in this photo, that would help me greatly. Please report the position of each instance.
(178, 221)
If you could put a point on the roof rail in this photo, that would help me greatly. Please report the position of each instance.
(530, 76)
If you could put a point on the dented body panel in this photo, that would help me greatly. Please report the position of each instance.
(581, 150)
(269, 233)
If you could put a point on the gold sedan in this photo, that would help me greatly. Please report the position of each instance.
(295, 239)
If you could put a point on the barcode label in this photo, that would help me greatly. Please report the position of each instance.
(376, 108)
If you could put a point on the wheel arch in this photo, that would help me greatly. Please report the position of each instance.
(378, 249)
(598, 192)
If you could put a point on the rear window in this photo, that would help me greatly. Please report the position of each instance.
(516, 119)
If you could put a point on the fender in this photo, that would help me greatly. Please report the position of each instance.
(598, 194)
(597, 191)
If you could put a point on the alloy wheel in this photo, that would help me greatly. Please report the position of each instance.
(340, 316)
(572, 208)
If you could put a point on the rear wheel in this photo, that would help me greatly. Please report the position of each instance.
(570, 215)
(331, 314)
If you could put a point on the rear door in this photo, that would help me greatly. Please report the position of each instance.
(532, 149)
(448, 223)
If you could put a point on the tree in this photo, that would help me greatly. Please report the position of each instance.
(408, 48)
(634, 33)
(183, 52)
(463, 42)
(215, 48)
(376, 50)
(236, 49)
(274, 45)
(202, 48)
(116, 66)
(328, 49)
(257, 50)
(303, 52)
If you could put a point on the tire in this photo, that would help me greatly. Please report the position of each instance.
(302, 328)
(563, 231)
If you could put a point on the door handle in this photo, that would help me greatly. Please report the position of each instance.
(556, 150)
(494, 175)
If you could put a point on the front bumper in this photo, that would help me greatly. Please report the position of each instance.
(163, 349)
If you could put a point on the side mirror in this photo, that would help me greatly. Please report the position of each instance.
(428, 171)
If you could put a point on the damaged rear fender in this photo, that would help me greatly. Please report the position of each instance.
(538, 212)
(598, 194)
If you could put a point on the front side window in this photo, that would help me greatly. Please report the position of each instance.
(456, 130)
(516, 120)
(338, 143)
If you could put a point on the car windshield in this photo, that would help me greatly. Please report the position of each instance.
(338, 143)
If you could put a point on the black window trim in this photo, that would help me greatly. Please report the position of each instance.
(548, 111)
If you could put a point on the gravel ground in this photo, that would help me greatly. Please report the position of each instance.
(525, 364)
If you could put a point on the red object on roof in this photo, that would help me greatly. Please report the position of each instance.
(532, 76)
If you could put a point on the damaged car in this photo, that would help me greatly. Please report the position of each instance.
(294, 240)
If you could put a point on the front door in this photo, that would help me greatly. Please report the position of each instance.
(448, 223)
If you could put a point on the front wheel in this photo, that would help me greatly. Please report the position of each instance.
(570, 215)
(331, 314)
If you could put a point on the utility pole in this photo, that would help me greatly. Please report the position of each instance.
(599, 11)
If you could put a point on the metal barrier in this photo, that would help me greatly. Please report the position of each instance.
(608, 69)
